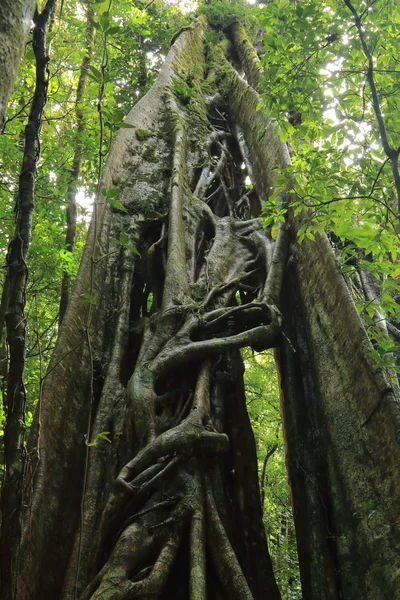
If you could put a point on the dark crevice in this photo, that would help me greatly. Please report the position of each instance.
(230, 192)
(202, 247)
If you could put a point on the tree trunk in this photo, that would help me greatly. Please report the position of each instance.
(342, 430)
(70, 233)
(144, 475)
(15, 22)
(148, 359)
(13, 307)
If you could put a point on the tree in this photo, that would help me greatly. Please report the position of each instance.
(13, 305)
(15, 19)
(142, 476)
(77, 160)
(179, 318)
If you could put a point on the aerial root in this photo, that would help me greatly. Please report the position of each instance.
(128, 497)
(236, 283)
(188, 438)
(162, 504)
(242, 314)
(197, 584)
(224, 558)
(116, 580)
(146, 549)
(209, 173)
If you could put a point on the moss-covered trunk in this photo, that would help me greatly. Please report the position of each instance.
(144, 471)
(342, 426)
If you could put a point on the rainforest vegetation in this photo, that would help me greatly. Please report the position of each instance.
(200, 300)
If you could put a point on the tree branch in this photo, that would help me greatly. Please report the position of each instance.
(391, 153)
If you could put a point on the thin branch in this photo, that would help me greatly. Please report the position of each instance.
(390, 152)
(270, 452)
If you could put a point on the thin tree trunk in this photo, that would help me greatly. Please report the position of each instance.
(77, 160)
(14, 298)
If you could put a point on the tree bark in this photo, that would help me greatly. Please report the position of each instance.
(15, 23)
(342, 425)
(171, 507)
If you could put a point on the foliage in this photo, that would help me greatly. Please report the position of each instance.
(262, 392)
(222, 13)
(316, 84)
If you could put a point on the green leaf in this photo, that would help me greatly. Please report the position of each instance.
(123, 238)
(132, 249)
(105, 21)
(66, 255)
(113, 193)
(88, 299)
(117, 204)
(124, 125)
(112, 30)
(104, 436)
(95, 74)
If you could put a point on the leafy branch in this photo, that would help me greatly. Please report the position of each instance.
(391, 153)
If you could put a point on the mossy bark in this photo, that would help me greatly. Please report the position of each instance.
(342, 430)
(171, 507)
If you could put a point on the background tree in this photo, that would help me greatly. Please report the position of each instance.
(15, 19)
(13, 307)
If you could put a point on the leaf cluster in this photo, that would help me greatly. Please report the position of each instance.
(220, 14)
(315, 66)
(263, 405)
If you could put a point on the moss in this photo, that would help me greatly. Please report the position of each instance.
(221, 74)
(222, 13)
(189, 69)
(150, 155)
(182, 91)
(247, 54)
(143, 134)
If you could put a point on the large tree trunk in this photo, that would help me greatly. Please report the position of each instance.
(15, 22)
(342, 425)
(148, 352)
(148, 357)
